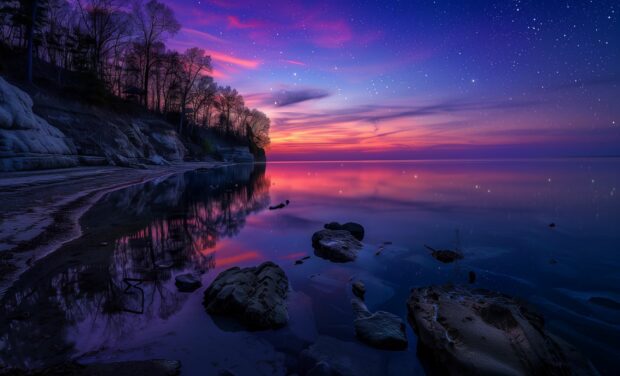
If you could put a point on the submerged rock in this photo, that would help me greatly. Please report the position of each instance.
(355, 229)
(256, 296)
(187, 282)
(444, 255)
(481, 332)
(336, 245)
(280, 205)
(382, 330)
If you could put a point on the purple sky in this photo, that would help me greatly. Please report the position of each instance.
(419, 79)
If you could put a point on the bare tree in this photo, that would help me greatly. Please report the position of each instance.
(195, 63)
(154, 22)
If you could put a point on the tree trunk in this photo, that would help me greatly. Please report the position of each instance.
(33, 15)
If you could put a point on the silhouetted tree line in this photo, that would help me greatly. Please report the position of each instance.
(123, 45)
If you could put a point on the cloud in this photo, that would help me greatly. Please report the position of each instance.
(225, 58)
(289, 97)
(235, 23)
(377, 113)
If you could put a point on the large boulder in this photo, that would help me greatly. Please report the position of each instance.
(355, 229)
(481, 332)
(383, 330)
(255, 296)
(28, 141)
(336, 245)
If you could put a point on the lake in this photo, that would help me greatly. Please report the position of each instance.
(497, 212)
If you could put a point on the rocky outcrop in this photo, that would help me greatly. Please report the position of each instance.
(383, 330)
(355, 229)
(336, 245)
(28, 141)
(481, 332)
(255, 296)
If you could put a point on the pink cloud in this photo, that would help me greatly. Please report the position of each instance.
(295, 62)
(235, 23)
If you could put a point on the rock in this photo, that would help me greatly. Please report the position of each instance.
(355, 229)
(359, 289)
(255, 296)
(187, 282)
(481, 332)
(280, 205)
(382, 330)
(336, 245)
(551, 225)
(27, 141)
(444, 255)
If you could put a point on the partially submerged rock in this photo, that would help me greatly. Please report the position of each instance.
(445, 255)
(187, 282)
(336, 245)
(255, 296)
(280, 205)
(355, 229)
(381, 329)
(482, 332)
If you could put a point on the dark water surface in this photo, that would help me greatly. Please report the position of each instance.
(75, 303)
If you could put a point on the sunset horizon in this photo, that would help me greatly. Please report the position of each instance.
(340, 79)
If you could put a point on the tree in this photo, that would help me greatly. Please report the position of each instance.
(154, 22)
(258, 128)
(104, 22)
(195, 63)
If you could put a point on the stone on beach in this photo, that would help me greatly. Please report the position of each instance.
(255, 296)
(336, 245)
(481, 332)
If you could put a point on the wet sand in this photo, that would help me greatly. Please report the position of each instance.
(41, 209)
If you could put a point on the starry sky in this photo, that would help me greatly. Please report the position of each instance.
(419, 78)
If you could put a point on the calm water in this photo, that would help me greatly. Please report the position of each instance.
(498, 212)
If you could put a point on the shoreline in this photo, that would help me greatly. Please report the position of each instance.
(42, 208)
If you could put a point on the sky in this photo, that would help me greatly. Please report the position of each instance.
(418, 79)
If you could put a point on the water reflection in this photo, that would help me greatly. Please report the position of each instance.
(118, 278)
(111, 296)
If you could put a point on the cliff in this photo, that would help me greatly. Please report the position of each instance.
(47, 131)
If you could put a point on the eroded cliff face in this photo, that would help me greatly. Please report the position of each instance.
(28, 141)
(62, 133)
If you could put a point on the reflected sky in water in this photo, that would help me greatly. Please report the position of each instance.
(110, 295)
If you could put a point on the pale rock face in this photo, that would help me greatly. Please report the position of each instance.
(27, 141)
